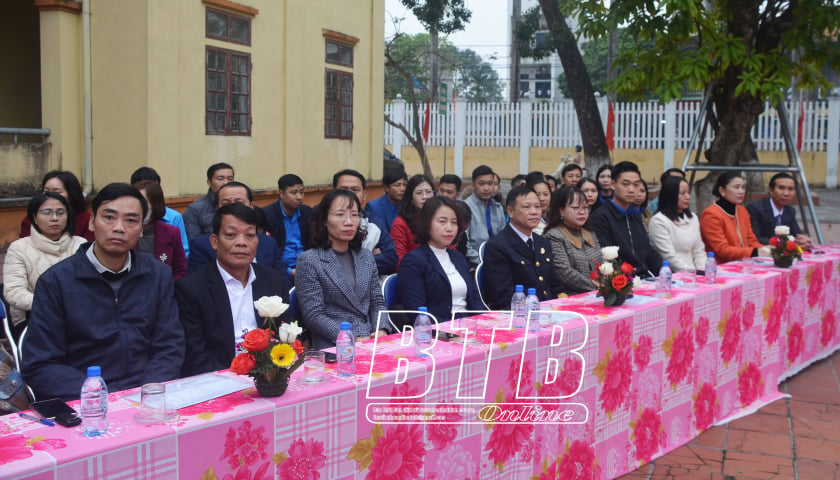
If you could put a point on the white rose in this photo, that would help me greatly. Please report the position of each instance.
(782, 230)
(609, 253)
(606, 268)
(288, 332)
(270, 307)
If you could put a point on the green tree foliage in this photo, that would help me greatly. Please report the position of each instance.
(473, 78)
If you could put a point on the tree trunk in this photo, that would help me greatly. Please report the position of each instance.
(434, 87)
(580, 86)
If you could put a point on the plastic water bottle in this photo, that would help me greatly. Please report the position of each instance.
(422, 332)
(711, 269)
(532, 304)
(518, 307)
(663, 283)
(345, 351)
(94, 403)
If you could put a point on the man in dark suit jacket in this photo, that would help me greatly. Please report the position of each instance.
(517, 256)
(216, 303)
(289, 220)
(618, 223)
(268, 253)
(768, 213)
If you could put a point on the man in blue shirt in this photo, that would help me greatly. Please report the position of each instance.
(385, 208)
(289, 220)
(171, 217)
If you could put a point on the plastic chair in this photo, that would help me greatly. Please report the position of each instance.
(479, 281)
(20, 353)
(293, 304)
(389, 291)
(481, 251)
(7, 328)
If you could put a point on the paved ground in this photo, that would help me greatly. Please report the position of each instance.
(792, 438)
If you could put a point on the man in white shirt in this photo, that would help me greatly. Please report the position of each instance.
(216, 303)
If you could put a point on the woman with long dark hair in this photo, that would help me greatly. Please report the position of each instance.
(337, 280)
(160, 239)
(419, 189)
(605, 192)
(576, 250)
(434, 275)
(725, 224)
(67, 185)
(675, 230)
(50, 241)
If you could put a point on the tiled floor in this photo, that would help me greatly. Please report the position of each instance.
(792, 438)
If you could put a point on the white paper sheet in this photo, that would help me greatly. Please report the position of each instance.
(200, 388)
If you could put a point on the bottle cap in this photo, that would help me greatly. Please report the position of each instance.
(532, 291)
(345, 325)
(520, 288)
(422, 309)
(665, 263)
(94, 371)
(711, 254)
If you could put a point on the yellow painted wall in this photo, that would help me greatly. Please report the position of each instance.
(505, 161)
(20, 81)
(149, 93)
(61, 89)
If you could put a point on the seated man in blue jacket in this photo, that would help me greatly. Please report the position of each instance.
(268, 253)
(106, 305)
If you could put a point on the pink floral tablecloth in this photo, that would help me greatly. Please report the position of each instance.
(646, 377)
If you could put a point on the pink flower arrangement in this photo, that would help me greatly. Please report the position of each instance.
(398, 454)
(828, 325)
(730, 332)
(681, 356)
(794, 342)
(705, 406)
(749, 314)
(648, 434)
(443, 434)
(245, 446)
(641, 352)
(616, 380)
(749, 383)
(579, 463)
(702, 331)
(305, 460)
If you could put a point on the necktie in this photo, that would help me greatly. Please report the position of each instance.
(530, 243)
(778, 219)
(487, 219)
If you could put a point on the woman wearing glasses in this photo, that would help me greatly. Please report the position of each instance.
(576, 249)
(337, 279)
(50, 241)
(67, 185)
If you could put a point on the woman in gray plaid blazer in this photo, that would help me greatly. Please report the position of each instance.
(337, 280)
(575, 249)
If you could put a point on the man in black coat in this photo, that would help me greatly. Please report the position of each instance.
(618, 223)
(517, 256)
(289, 220)
(216, 303)
(768, 213)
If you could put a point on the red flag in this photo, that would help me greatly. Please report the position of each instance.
(610, 126)
(427, 120)
(801, 125)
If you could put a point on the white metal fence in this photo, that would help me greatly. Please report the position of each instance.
(638, 125)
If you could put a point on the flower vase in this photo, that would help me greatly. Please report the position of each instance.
(274, 388)
(783, 262)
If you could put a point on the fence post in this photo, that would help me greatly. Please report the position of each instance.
(460, 134)
(398, 116)
(831, 152)
(670, 133)
(524, 134)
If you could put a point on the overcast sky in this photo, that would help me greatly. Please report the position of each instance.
(486, 33)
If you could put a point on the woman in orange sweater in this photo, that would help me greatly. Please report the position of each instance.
(725, 224)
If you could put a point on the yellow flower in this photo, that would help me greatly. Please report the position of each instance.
(282, 355)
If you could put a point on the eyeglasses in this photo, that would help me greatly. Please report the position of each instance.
(60, 213)
(578, 208)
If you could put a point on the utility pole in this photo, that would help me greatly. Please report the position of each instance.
(516, 10)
